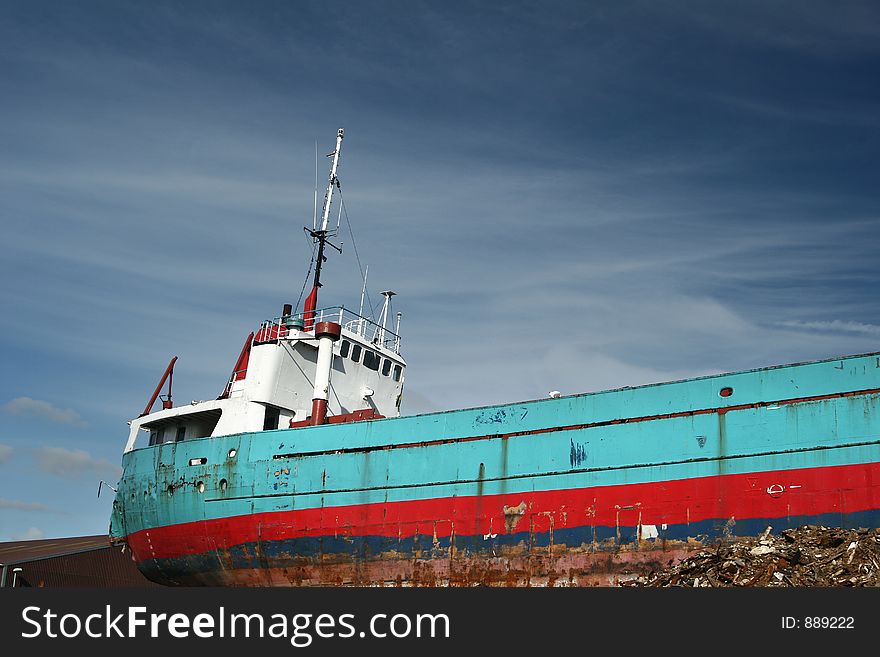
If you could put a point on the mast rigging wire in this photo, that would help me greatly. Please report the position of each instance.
(356, 255)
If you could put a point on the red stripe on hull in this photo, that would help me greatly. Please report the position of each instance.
(802, 492)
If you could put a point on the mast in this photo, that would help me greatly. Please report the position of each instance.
(320, 235)
(381, 332)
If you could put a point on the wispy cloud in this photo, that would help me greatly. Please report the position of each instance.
(828, 113)
(73, 463)
(30, 534)
(18, 505)
(815, 28)
(38, 407)
(833, 326)
(6, 453)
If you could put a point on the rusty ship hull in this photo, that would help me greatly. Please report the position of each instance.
(582, 490)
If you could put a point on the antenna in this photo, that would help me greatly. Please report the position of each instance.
(363, 294)
(315, 211)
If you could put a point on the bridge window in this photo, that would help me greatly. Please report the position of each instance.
(397, 372)
(157, 437)
(386, 367)
(181, 433)
(371, 360)
(343, 348)
(356, 353)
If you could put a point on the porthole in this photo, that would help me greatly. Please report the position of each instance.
(726, 392)
(170, 490)
(223, 484)
(232, 453)
(201, 486)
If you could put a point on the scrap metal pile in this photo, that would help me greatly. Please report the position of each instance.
(806, 556)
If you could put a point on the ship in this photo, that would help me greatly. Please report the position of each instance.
(302, 472)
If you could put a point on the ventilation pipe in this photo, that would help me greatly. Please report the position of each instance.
(327, 333)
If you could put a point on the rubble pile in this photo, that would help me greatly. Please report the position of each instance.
(806, 556)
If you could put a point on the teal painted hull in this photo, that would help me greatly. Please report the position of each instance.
(581, 490)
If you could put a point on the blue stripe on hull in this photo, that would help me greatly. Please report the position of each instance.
(326, 550)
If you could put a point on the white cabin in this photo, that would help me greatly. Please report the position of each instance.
(275, 387)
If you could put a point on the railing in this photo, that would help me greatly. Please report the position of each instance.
(272, 330)
(237, 375)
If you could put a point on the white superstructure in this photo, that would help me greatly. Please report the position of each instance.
(280, 382)
(276, 387)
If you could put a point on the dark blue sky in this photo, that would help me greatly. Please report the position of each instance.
(567, 196)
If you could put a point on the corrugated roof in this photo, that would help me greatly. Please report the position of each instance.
(21, 551)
